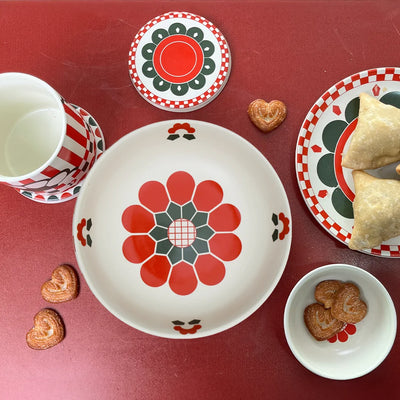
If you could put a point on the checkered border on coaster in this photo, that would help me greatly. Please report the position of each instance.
(199, 100)
(302, 149)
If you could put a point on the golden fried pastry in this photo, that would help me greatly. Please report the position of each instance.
(325, 292)
(375, 141)
(376, 210)
(267, 116)
(348, 307)
(48, 330)
(63, 285)
(320, 322)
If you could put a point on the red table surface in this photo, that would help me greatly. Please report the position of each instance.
(287, 50)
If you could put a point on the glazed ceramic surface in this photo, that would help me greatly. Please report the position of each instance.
(357, 349)
(326, 186)
(179, 61)
(182, 229)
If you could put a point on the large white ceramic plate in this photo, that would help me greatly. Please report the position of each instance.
(182, 229)
(326, 186)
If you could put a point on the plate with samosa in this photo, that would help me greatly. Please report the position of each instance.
(347, 161)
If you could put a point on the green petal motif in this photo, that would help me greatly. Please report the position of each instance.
(352, 109)
(158, 35)
(331, 134)
(342, 204)
(392, 98)
(326, 171)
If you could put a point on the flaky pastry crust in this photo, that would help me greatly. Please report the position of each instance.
(267, 116)
(320, 322)
(48, 330)
(348, 306)
(63, 285)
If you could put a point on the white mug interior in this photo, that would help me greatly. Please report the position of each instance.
(32, 125)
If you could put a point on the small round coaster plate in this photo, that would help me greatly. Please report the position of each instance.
(179, 61)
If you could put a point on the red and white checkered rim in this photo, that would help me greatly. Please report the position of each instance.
(203, 97)
(310, 127)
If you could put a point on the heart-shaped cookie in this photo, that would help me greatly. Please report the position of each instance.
(325, 292)
(348, 306)
(63, 285)
(48, 330)
(320, 322)
(267, 116)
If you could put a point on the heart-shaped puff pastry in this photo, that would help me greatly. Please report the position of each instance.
(320, 322)
(325, 292)
(63, 285)
(267, 116)
(348, 306)
(48, 330)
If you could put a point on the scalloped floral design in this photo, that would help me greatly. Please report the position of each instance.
(181, 233)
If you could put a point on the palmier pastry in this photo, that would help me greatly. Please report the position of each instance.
(376, 209)
(325, 292)
(375, 141)
(267, 116)
(348, 306)
(320, 322)
(63, 285)
(48, 330)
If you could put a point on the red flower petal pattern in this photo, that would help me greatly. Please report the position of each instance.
(183, 280)
(138, 248)
(207, 196)
(180, 187)
(155, 271)
(224, 218)
(137, 219)
(226, 246)
(210, 270)
(153, 195)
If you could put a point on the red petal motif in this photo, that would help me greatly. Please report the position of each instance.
(210, 270)
(155, 270)
(208, 195)
(137, 219)
(153, 195)
(224, 218)
(137, 248)
(180, 187)
(183, 281)
(226, 246)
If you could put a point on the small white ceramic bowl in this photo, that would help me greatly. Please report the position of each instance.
(356, 353)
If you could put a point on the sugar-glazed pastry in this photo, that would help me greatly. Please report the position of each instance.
(375, 141)
(320, 322)
(376, 209)
(326, 290)
(348, 307)
(48, 330)
(63, 285)
(267, 116)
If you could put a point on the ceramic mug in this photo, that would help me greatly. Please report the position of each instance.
(47, 146)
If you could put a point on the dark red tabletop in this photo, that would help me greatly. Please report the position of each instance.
(287, 50)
